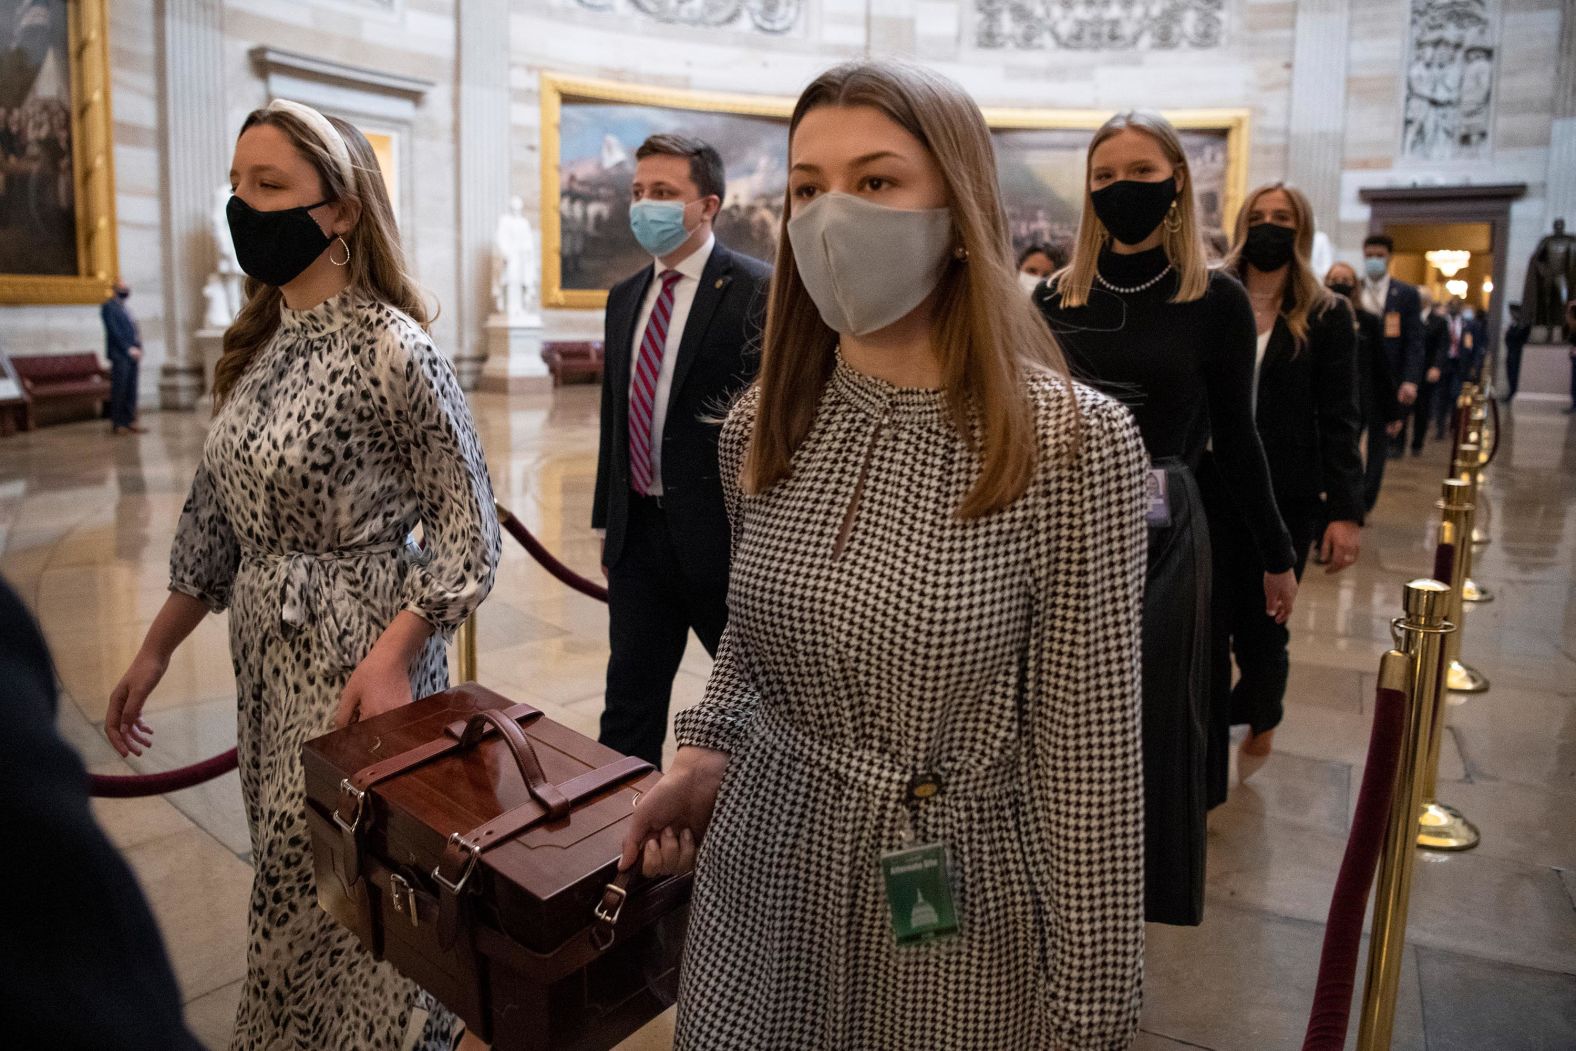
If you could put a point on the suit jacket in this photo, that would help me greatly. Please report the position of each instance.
(1376, 384)
(1404, 351)
(81, 961)
(1308, 417)
(718, 356)
(120, 331)
(1470, 351)
(1436, 342)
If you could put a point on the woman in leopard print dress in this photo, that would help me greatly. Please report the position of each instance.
(339, 428)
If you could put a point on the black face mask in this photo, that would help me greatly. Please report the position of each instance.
(1131, 210)
(123, 294)
(1341, 288)
(275, 247)
(1269, 246)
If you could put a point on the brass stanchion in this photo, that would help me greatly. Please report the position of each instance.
(1442, 827)
(465, 645)
(1479, 435)
(1461, 677)
(1414, 668)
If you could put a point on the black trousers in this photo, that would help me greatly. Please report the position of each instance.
(652, 605)
(1176, 706)
(1241, 629)
(1375, 452)
(1422, 412)
(122, 390)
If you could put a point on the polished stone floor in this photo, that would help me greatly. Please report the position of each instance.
(86, 522)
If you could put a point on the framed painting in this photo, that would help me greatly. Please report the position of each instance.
(591, 129)
(57, 175)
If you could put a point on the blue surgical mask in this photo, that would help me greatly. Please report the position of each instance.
(658, 225)
(1375, 267)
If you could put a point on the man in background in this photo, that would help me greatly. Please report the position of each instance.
(1516, 337)
(1459, 364)
(123, 347)
(1400, 311)
(1436, 336)
(682, 340)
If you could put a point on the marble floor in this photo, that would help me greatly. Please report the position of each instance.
(85, 527)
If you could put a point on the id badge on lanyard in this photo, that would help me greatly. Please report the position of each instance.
(919, 880)
(1157, 488)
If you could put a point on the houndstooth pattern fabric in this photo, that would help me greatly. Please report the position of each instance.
(346, 430)
(1000, 653)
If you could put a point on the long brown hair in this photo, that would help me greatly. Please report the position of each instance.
(985, 330)
(1305, 294)
(377, 264)
(1181, 238)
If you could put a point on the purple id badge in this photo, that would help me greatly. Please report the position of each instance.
(1159, 513)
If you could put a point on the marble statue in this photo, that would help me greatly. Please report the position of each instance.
(228, 270)
(514, 287)
(216, 304)
(1551, 280)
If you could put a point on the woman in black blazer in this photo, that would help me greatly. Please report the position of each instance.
(1306, 409)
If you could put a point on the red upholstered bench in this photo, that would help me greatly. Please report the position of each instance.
(573, 360)
(63, 386)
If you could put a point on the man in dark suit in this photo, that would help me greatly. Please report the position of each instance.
(1460, 362)
(123, 347)
(1400, 312)
(682, 340)
(1436, 337)
(1516, 337)
(81, 962)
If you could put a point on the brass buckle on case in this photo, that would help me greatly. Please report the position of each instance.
(403, 896)
(474, 853)
(605, 916)
(360, 796)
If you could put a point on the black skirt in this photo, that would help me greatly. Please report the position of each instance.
(1176, 704)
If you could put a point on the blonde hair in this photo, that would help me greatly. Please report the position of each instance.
(377, 264)
(1304, 292)
(1181, 236)
(984, 330)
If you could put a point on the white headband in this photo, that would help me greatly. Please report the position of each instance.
(327, 134)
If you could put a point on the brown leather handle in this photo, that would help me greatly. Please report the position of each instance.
(543, 791)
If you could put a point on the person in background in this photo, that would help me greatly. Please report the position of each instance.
(1570, 334)
(1306, 410)
(682, 341)
(925, 705)
(1516, 336)
(1460, 362)
(1436, 337)
(1038, 261)
(123, 347)
(1381, 411)
(1143, 319)
(82, 964)
(1400, 313)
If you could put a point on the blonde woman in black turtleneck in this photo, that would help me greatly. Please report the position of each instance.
(1142, 318)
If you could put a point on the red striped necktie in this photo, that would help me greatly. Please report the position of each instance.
(643, 388)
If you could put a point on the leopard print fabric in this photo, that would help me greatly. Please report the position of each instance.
(345, 432)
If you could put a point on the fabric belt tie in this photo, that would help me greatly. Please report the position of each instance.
(312, 594)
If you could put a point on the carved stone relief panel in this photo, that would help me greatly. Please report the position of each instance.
(1099, 25)
(1451, 55)
(763, 16)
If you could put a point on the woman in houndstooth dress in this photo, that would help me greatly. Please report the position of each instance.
(900, 616)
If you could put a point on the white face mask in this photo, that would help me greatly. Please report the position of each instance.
(1029, 282)
(865, 265)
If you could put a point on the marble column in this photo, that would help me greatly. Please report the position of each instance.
(194, 158)
(1561, 193)
(1316, 124)
(483, 169)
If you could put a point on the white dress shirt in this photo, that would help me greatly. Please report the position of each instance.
(1375, 293)
(683, 299)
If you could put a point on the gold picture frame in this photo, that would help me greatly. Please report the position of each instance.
(92, 170)
(1233, 126)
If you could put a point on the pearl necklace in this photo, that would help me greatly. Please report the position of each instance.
(1152, 282)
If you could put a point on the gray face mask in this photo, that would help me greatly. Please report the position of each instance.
(866, 265)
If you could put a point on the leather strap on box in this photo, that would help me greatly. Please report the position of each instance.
(350, 810)
(464, 850)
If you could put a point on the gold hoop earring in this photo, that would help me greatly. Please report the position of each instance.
(1173, 219)
(346, 246)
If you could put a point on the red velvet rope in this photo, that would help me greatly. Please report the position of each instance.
(130, 786)
(1445, 563)
(1343, 929)
(545, 559)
